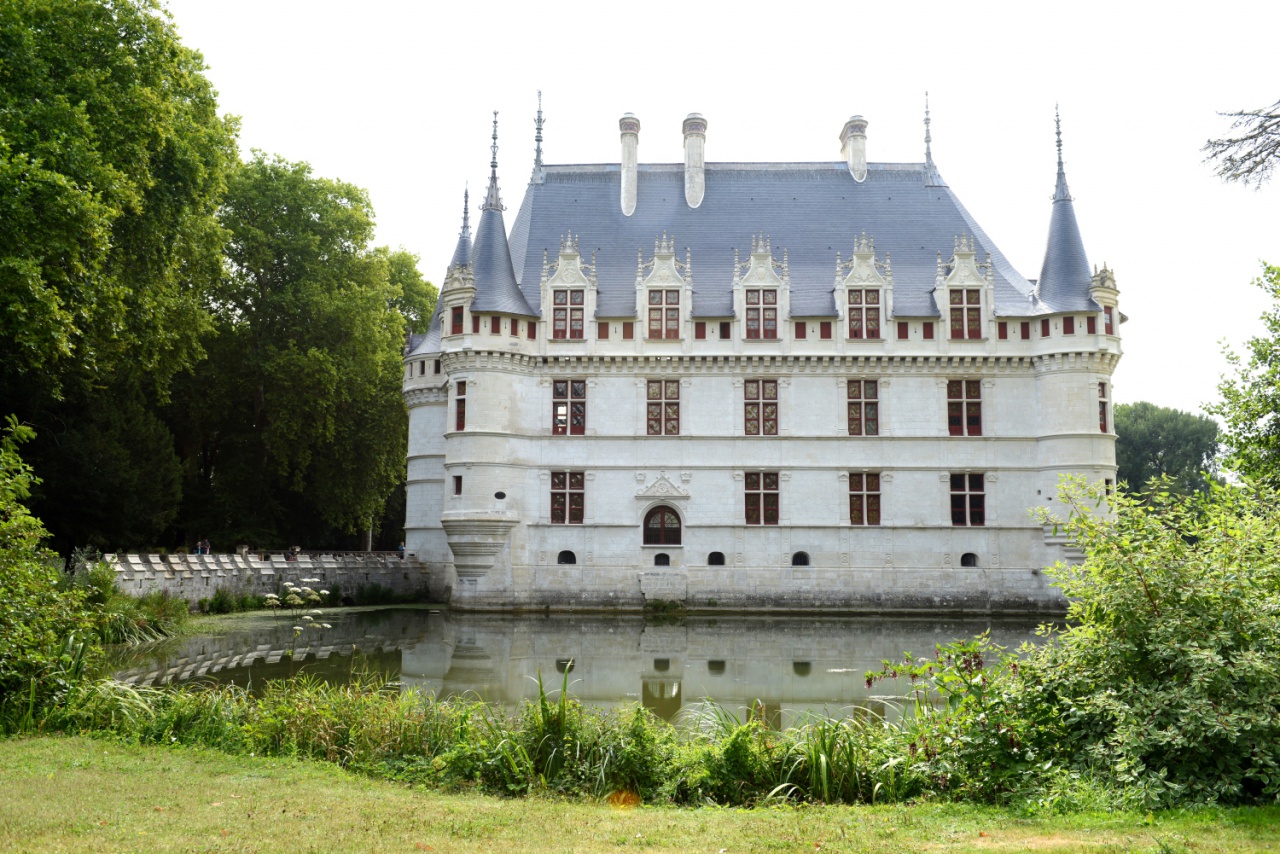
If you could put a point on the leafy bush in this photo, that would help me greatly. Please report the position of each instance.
(1170, 673)
(42, 625)
(1165, 687)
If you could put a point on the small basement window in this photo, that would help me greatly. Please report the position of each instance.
(800, 559)
(968, 559)
(715, 559)
(662, 559)
(566, 558)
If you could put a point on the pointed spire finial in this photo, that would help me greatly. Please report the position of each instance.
(537, 141)
(1057, 124)
(928, 139)
(493, 201)
(1060, 191)
(462, 252)
(466, 210)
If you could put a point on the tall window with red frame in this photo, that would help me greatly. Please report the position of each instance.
(460, 405)
(968, 500)
(864, 408)
(864, 499)
(964, 407)
(864, 314)
(760, 407)
(662, 407)
(1108, 324)
(566, 314)
(569, 407)
(762, 313)
(1102, 407)
(664, 313)
(455, 320)
(966, 313)
(762, 497)
(568, 497)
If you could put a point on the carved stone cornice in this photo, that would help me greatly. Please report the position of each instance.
(422, 396)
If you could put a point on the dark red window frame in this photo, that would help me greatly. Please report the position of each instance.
(802, 331)
(455, 316)
(761, 497)
(864, 499)
(1068, 326)
(762, 313)
(602, 330)
(567, 308)
(726, 330)
(927, 330)
(864, 407)
(1002, 329)
(1102, 407)
(664, 314)
(1044, 328)
(966, 313)
(1091, 325)
(700, 330)
(1026, 330)
(968, 500)
(662, 527)
(864, 314)
(628, 330)
(662, 407)
(495, 325)
(904, 330)
(964, 407)
(1108, 321)
(568, 497)
(568, 407)
(760, 407)
(460, 406)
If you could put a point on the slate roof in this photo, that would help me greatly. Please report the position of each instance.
(813, 210)
(1064, 275)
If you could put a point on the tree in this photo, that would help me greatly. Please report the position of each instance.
(1156, 441)
(112, 162)
(1250, 156)
(1250, 405)
(417, 301)
(295, 422)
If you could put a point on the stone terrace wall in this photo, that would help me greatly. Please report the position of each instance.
(195, 577)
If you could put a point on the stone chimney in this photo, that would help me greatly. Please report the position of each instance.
(853, 145)
(695, 144)
(630, 127)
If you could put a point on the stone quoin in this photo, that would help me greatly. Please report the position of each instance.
(753, 386)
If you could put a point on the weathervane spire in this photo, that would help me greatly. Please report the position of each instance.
(493, 200)
(928, 139)
(1060, 190)
(537, 138)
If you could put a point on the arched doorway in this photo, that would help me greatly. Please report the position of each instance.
(661, 527)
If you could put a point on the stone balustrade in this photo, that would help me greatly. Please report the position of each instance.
(195, 577)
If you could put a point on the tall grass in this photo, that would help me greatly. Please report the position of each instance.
(552, 743)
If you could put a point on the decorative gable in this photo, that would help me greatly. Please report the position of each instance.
(662, 488)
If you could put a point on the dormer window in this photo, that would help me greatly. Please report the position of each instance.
(664, 313)
(567, 319)
(762, 313)
(966, 313)
(864, 313)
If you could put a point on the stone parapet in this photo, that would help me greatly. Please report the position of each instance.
(195, 577)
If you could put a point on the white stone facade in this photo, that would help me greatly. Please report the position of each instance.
(1033, 392)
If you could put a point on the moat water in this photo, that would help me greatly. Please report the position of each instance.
(786, 665)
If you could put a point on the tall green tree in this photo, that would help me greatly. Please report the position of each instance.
(1156, 441)
(295, 421)
(1250, 405)
(113, 160)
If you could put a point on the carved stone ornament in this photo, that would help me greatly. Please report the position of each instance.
(662, 488)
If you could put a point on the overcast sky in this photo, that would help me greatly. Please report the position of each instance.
(397, 97)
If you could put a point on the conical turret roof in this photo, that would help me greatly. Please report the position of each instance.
(462, 252)
(1064, 276)
(491, 268)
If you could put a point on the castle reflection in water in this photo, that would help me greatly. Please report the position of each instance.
(784, 666)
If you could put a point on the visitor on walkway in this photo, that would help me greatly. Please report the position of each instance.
(402, 549)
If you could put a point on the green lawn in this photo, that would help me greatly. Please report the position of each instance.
(78, 794)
